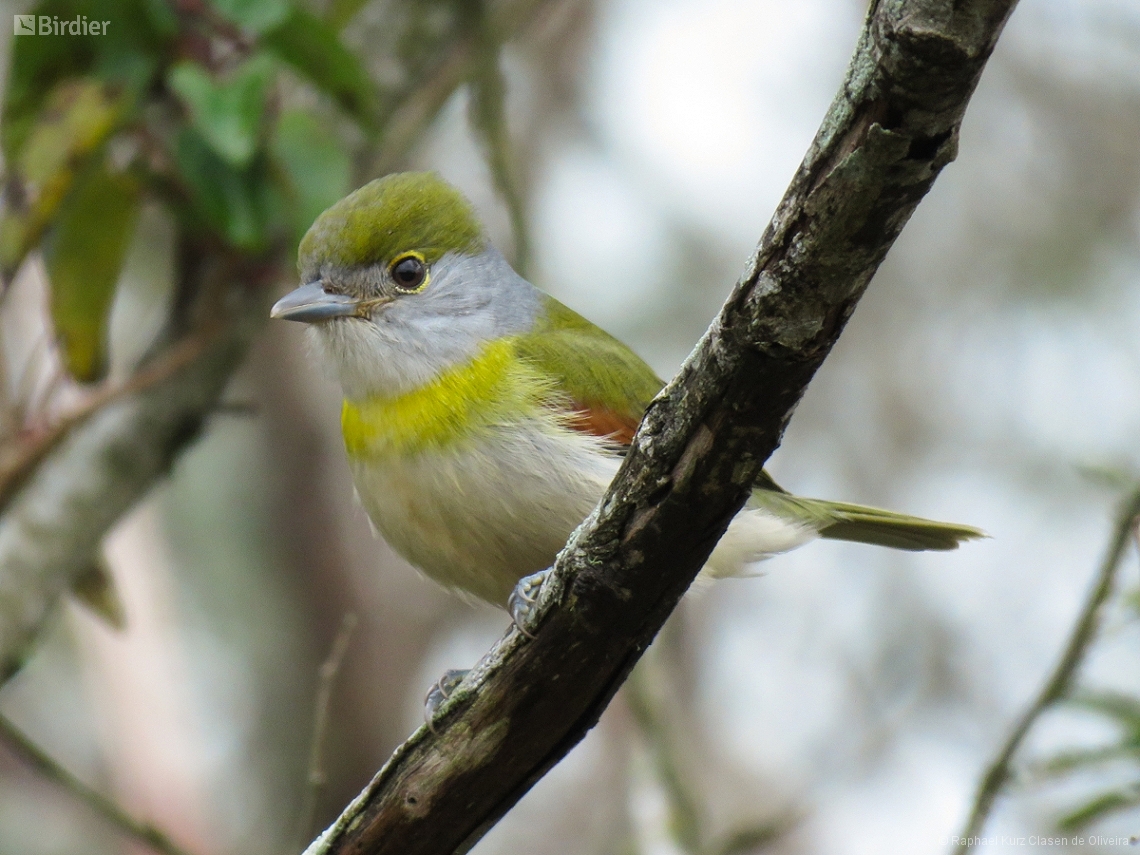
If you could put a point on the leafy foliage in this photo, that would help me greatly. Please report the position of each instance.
(1124, 712)
(254, 15)
(228, 113)
(76, 119)
(314, 50)
(316, 169)
(180, 106)
(84, 254)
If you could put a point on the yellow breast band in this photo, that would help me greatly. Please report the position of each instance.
(493, 388)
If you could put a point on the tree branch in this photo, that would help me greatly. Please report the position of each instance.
(107, 808)
(315, 779)
(95, 473)
(406, 121)
(683, 818)
(891, 129)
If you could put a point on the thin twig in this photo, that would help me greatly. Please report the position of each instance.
(1060, 681)
(315, 780)
(1136, 533)
(685, 826)
(35, 757)
(409, 122)
(684, 815)
(28, 377)
(425, 100)
(17, 462)
(488, 116)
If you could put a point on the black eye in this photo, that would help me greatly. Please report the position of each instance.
(409, 273)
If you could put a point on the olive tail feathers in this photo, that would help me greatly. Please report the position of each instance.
(886, 528)
(859, 523)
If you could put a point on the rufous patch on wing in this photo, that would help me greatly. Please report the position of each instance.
(597, 421)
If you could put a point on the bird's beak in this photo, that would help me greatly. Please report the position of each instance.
(311, 303)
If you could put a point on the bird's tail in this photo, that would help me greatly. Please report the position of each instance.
(862, 524)
(887, 528)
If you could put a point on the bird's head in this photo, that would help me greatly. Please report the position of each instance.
(399, 283)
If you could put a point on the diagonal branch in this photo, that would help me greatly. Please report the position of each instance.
(99, 468)
(35, 757)
(891, 129)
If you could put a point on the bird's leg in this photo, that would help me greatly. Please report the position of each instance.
(441, 691)
(523, 601)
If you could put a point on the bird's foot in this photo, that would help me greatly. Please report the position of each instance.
(523, 601)
(441, 691)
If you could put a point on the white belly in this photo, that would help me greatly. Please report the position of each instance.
(480, 517)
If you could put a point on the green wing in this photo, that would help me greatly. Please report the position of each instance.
(607, 384)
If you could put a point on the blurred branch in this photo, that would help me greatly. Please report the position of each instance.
(1104, 804)
(751, 840)
(1136, 535)
(315, 779)
(1061, 680)
(702, 444)
(406, 122)
(93, 471)
(684, 816)
(19, 458)
(643, 693)
(35, 757)
(487, 108)
(1070, 761)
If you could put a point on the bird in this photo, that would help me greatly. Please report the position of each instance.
(482, 419)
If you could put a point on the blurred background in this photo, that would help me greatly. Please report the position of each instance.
(846, 700)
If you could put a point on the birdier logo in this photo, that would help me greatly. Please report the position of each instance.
(51, 25)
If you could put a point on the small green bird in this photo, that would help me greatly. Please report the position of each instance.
(483, 419)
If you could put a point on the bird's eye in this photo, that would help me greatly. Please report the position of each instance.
(410, 273)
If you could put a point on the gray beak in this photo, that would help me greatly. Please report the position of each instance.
(310, 303)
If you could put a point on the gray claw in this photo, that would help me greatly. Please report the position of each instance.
(441, 691)
(523, 601)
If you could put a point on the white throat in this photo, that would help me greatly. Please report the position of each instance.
(470, 300)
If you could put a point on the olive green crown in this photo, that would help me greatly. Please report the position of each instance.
(408, 211)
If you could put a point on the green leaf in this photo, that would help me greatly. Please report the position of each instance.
(233, 204)
(1072, 761)
(314, 49)
(83, 255)
(1099, 807)
(228, 113)
(340, 12)
(161, 16)
(38, 64)
(95, 588)
(137, 38)
(318, 170)
(257, 16)
(77, 118)
(1124, 710)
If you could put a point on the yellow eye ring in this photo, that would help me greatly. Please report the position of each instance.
(409, 272)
